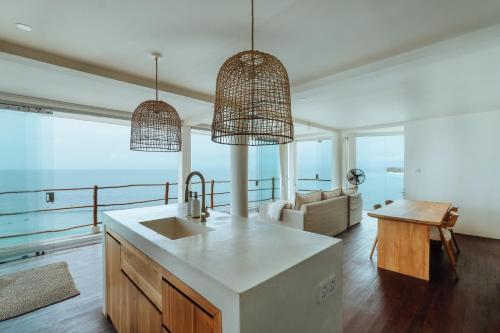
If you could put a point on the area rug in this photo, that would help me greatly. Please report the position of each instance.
(35, 288)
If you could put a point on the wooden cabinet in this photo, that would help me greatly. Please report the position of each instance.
(128, 314)
(138, 315)
(149, 317)
(113, 279)
(141, 270)
(182, 315)
(203, 322)
(142, 297)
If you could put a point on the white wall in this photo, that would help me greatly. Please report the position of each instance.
(457, 159)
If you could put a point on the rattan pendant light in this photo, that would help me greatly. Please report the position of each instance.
(252, 100)
(156, 126)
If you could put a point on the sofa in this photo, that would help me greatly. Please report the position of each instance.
(326, 217)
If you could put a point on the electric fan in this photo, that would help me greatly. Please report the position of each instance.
(356, 177)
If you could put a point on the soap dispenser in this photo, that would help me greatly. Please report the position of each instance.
(195, 207)
(189, 204)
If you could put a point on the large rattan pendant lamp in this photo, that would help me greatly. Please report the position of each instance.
(252, 100)
(156, 126)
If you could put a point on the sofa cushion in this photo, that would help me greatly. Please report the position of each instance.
(302, 199)
(331, 194)
(355, 209)
(327, 217)
(348, 191)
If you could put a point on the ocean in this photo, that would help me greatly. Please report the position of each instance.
(378, 187)
(19, 180)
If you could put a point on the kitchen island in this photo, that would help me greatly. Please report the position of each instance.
(165, 272)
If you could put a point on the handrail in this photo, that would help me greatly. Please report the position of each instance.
(316, 179)
(95, 205)
(80, 188)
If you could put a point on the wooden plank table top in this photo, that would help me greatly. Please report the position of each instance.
(412, 211)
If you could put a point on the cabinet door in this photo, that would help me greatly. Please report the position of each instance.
(129, 306)
(149, 317)
(113, 280)
(203, 322)
(181, 312)
(182, 315)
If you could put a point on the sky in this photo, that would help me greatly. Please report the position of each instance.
(46, 142)
(54, 143)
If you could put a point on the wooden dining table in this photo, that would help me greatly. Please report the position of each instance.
(403, 235)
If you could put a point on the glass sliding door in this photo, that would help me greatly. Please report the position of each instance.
(213, 161)
(382, 160)
(314, 159)
(26, 163)
(56, 160)
(263, 175)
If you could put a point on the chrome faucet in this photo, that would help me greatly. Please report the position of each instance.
(204, 211)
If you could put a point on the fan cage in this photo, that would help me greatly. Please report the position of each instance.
(354, 176)
(156, 127)
(252, 101)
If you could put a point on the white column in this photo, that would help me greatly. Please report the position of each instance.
(239, 181)
(184, 167)
(283, 154)
(348, 156)
(292, 170)
(336, 173)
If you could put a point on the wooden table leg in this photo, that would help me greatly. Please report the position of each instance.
(404, 248)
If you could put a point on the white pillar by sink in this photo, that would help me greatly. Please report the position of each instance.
(184, 163)
(239, 181)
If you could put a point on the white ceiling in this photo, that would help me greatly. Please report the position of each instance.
(358, 63)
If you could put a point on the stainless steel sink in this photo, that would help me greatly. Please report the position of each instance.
(174, 228)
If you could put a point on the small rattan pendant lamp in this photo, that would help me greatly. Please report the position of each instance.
(156, 126)
(252, 100)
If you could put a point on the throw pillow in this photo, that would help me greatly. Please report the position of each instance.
(302, 199)
(331, 194)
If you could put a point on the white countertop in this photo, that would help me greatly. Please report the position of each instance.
(239, 253)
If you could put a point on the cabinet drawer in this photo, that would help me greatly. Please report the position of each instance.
(143, 272)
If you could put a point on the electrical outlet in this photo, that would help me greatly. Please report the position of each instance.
(326, 288)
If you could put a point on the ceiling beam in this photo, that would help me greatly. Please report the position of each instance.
(57, 60)
(315, 125)
(52, 105)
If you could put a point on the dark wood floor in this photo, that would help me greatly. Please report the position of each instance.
(382, 301)
(374, 300)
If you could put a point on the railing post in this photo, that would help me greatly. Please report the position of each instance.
(95, 227)
(212, 184)
(272, 188)
(167, 189)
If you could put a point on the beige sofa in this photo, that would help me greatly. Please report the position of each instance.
(327, 217)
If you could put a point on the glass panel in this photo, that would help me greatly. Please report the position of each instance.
(263, 166)
(382, 160)
(212, 160)
(315, 165)
(49, 152)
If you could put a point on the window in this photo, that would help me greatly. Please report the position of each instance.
(263, 175)
(52, 152)
(213, 161)
(382, 160)
(314, 160)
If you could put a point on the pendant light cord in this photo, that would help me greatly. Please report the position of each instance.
(252, 26)
(156, 80)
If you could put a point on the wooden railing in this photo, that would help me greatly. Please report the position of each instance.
(96, 205)
(317, 179)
